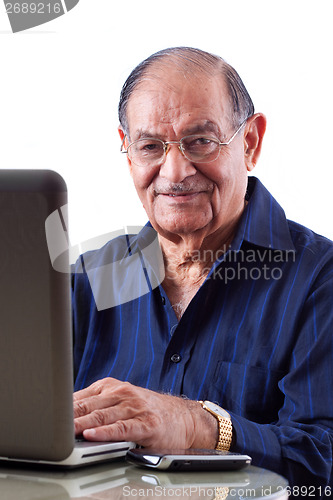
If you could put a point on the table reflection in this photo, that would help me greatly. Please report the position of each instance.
(118, 481)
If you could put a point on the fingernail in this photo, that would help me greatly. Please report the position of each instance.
(89, 433)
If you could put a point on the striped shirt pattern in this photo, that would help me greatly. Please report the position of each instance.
(256, 338)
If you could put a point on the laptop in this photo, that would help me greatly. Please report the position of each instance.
(36, 372)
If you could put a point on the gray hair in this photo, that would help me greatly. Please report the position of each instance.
(190, 59)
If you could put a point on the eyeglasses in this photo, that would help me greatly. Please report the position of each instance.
(148, 152)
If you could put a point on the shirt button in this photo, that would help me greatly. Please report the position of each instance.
(175, 358)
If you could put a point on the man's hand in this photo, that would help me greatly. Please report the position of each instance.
(110, 410)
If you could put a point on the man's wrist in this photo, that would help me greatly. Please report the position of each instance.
(225, 431)
(204, 432)
(205, 427)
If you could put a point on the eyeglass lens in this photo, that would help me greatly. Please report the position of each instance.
(148, 151)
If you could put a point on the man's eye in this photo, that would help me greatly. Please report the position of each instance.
(149, 147)
(203, 141)
(199, 142)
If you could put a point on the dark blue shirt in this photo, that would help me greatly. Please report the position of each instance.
(256, 338)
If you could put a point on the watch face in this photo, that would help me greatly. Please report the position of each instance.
(217, 409)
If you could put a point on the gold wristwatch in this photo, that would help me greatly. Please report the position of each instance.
(225, 424)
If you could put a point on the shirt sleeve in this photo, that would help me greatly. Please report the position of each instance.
(299, 444)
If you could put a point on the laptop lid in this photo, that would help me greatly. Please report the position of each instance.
(36, 383)
(36, 373)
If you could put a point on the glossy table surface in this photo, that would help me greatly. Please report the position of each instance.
(119, 480)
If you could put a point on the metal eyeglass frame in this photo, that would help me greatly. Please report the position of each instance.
(166, 144)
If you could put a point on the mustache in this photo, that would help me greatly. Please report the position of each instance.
(182, 188)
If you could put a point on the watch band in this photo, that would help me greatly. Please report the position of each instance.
(225, 428)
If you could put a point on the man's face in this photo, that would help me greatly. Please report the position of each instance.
(183, 198)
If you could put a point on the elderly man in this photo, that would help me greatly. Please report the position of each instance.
(243, 316)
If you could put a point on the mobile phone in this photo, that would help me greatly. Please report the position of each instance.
(186, 460)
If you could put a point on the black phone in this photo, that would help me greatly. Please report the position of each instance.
(186, 460)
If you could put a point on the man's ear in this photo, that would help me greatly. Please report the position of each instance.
(124, 141)
(253, 136)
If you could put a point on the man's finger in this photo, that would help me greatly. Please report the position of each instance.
(83, 407)
(84, 393)
(94, 398)
(96, 388)
(121, 430)
(86, 418)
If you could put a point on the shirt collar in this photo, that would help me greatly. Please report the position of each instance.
(263, 222)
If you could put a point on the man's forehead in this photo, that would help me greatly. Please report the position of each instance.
(175, 79)
(193, 128)
(174, 99)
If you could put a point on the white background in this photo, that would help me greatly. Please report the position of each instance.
(60, 86)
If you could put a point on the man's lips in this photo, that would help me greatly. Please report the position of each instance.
(179, 194)
(179, 197)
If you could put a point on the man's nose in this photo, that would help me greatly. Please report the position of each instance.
(176, 166)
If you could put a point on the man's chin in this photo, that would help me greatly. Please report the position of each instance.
(181, 227)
